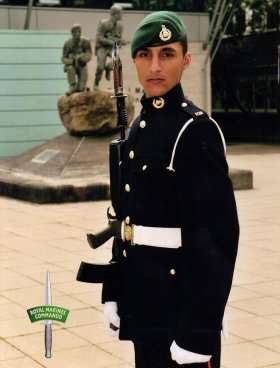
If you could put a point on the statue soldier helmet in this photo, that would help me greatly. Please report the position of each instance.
(157, 29)
(115, 9)
(76, 26)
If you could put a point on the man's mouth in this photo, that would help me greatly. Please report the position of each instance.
(155, 80)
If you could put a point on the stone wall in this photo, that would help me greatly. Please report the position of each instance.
(31, 80)
(46, 18)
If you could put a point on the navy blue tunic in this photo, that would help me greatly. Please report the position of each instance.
(179, 293)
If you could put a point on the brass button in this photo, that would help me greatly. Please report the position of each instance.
(127, 187)
(127, 220)
(144, 167)
(172, 272)
(124, 253)
(184, 104)
(142, 124)
(131, 154)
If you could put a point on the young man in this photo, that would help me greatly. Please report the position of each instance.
(180, 225)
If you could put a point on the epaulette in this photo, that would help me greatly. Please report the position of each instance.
(193, 110)
(196, 114)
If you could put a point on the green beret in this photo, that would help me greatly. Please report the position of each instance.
(157, 29)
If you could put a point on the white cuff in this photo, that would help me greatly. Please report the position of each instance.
(183, 356)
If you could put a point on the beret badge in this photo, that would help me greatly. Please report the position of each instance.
(165, 33)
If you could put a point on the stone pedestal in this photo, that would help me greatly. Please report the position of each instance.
(70, 169)
(91, 113)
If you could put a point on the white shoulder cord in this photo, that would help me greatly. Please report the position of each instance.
(221, 134)
(170, 166)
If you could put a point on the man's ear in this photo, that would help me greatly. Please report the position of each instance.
(187, 60)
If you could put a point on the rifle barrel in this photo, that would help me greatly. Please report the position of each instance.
(118, 89)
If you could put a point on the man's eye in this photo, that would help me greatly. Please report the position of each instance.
(167, 54)
(142, 54)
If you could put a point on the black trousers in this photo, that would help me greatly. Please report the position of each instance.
(156, 354)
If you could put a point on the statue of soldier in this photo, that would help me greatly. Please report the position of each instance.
(108, 32)
(76, 54)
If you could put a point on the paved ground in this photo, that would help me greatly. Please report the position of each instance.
(34, 238)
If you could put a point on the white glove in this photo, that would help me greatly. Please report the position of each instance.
(111, 318)
(182, 356)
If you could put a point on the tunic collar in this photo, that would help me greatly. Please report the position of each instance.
(171, 100)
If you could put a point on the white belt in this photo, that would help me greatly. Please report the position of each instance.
(164, 237)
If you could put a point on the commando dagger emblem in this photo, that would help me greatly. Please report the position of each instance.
(48, 313)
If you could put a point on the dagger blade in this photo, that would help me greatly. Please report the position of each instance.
(48, 323)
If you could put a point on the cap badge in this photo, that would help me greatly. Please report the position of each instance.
(158, 102)
(165, 33)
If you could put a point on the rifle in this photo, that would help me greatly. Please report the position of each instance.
(115, 157)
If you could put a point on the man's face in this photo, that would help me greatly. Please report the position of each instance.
(160, 68)
(76, 33)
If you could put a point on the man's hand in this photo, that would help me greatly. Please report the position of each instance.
(68, 61)
(182, 356)
(111, 318)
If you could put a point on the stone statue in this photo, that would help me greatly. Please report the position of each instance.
(108, 32)
(76, 54)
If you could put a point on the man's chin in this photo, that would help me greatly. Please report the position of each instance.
(155, 92)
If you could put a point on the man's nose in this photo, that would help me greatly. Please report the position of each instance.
(155, 64)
